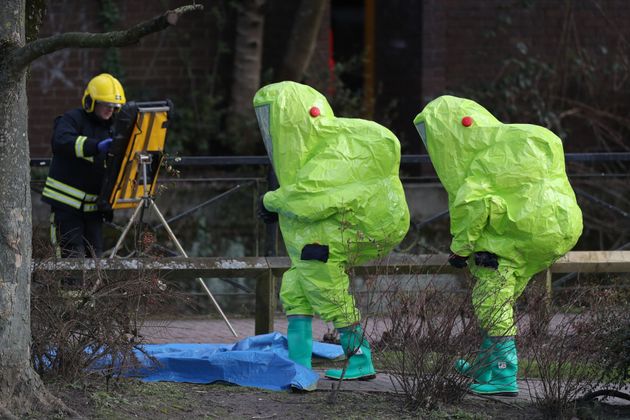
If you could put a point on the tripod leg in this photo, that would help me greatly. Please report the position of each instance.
(199, 279)
(125, 231)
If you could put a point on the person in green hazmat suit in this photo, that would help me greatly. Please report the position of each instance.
(513, 213)
(339, 202)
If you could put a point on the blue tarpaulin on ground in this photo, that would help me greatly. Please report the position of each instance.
(259, 361)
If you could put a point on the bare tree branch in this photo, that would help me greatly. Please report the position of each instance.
(22, 57)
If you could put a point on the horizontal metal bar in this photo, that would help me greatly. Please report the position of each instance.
(217, 160)
(598, 157)
(406, 159)
(205, 203)
(576, 261)
(154, 109)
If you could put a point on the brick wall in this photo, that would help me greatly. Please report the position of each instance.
(423, 49)
(175, 63)
(467, 42)
(153, 69)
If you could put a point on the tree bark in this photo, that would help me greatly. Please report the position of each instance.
(21, 390)
(246, 75)
(303, 40)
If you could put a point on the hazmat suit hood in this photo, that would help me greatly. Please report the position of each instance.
(338, 177)
(285, 110)
(451, 144)
(507, 185)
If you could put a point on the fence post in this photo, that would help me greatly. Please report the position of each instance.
(265, 302)
(271, 234)
(265, 284)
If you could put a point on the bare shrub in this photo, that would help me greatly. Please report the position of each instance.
(569, 348)
(89, 323)
(612, 332)
(427, 328)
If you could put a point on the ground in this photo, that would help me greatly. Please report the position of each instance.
(156, 401)
(130, 398)
(127, 398)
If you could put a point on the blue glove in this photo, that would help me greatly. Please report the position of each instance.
(104, 145)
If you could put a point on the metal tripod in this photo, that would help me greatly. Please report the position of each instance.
(147, 202)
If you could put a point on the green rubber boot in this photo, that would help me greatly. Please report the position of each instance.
(503, 369)
(479, 368)
(357, 349)
(300, 339)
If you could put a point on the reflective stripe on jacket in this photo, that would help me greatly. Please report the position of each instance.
(69, 196)
(77, 170)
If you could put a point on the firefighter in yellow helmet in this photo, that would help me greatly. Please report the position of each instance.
(80, 142)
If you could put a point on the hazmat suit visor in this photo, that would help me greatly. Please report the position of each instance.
(264, 124)
(420, 127)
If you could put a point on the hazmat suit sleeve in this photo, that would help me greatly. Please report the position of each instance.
(322, 188)
(310, 206)
(474, 209)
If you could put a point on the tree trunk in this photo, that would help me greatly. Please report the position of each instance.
(308, 21)
(246, 76)
(21, 390)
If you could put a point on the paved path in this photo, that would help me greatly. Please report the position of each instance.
(212, 330)
(216, 331)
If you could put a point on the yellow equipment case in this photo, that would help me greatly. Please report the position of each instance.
(137, 147)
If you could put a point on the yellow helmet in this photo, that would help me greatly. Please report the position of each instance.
(103, 88)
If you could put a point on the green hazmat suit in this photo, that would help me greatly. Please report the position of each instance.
(508, 194)
(339, 188)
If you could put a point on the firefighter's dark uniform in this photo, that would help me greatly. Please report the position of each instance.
(74, 182)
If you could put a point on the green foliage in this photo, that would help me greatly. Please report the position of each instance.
(108, 14)
(614, 334)
(35, 12)
(109, 17)
(581, 93)
(530, 369)
(198, 121)
(349, 102)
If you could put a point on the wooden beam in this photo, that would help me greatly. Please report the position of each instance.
(593, 262)
(266, 270)
(179, 267)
